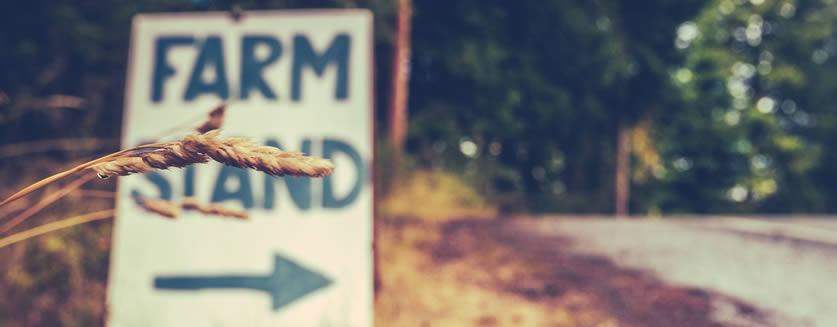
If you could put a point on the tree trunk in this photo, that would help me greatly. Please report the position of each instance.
(400, 78)
(623, 170)
(398, 107)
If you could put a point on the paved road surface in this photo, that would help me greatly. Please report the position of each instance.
(787, 268)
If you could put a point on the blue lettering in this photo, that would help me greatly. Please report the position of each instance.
(251, 68)
(189, 181)
(331, 147)
(162, 70)
(163, 186)
(211, 56)
(244, 192)
(304, 55)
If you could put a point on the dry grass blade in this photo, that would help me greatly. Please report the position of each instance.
(56, 177)
(97, 193)
(212, 209)
(160, 159)
(69, 144)
(54, 226)
(215, 120)
(172, 210)
(16, 206)
(160, 207)
(46, 201)
(22, 204)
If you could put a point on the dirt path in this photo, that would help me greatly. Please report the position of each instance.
(786, 268)
(496, 273)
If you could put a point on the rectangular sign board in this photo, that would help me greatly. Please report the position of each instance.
(297, 80)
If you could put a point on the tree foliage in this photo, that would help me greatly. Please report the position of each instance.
(756, 132)
(539, 88)
(729, 100)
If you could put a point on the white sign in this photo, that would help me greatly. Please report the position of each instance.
(298, 80)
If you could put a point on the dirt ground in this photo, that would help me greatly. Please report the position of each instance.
(484, 272)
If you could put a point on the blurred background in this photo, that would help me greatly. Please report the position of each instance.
(484, 109)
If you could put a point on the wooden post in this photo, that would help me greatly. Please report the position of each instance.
(400, 79)
(623, 170)
(398, 108)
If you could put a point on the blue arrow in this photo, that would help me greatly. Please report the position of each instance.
(287, 283)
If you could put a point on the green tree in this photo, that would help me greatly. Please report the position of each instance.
(757, 133)
(539, 89)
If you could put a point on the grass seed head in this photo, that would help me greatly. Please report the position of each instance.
(235, 151)
(215, 120)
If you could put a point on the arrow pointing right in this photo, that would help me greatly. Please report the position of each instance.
(287, 283)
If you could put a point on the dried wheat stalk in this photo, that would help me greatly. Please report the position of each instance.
(212, 209)
(64, 145)
(96, 193)
(235, 151)
(160, 207)
(76, 169)
(54, 226)
(196, 148)
(45, 202)
(215, 120)
(15, 207)
(170, 155)
(173, 210)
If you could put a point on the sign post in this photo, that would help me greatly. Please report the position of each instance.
(297, 80)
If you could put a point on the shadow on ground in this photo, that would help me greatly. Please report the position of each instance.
(489, 272)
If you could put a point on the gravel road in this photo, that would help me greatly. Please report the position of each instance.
(785, 268)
